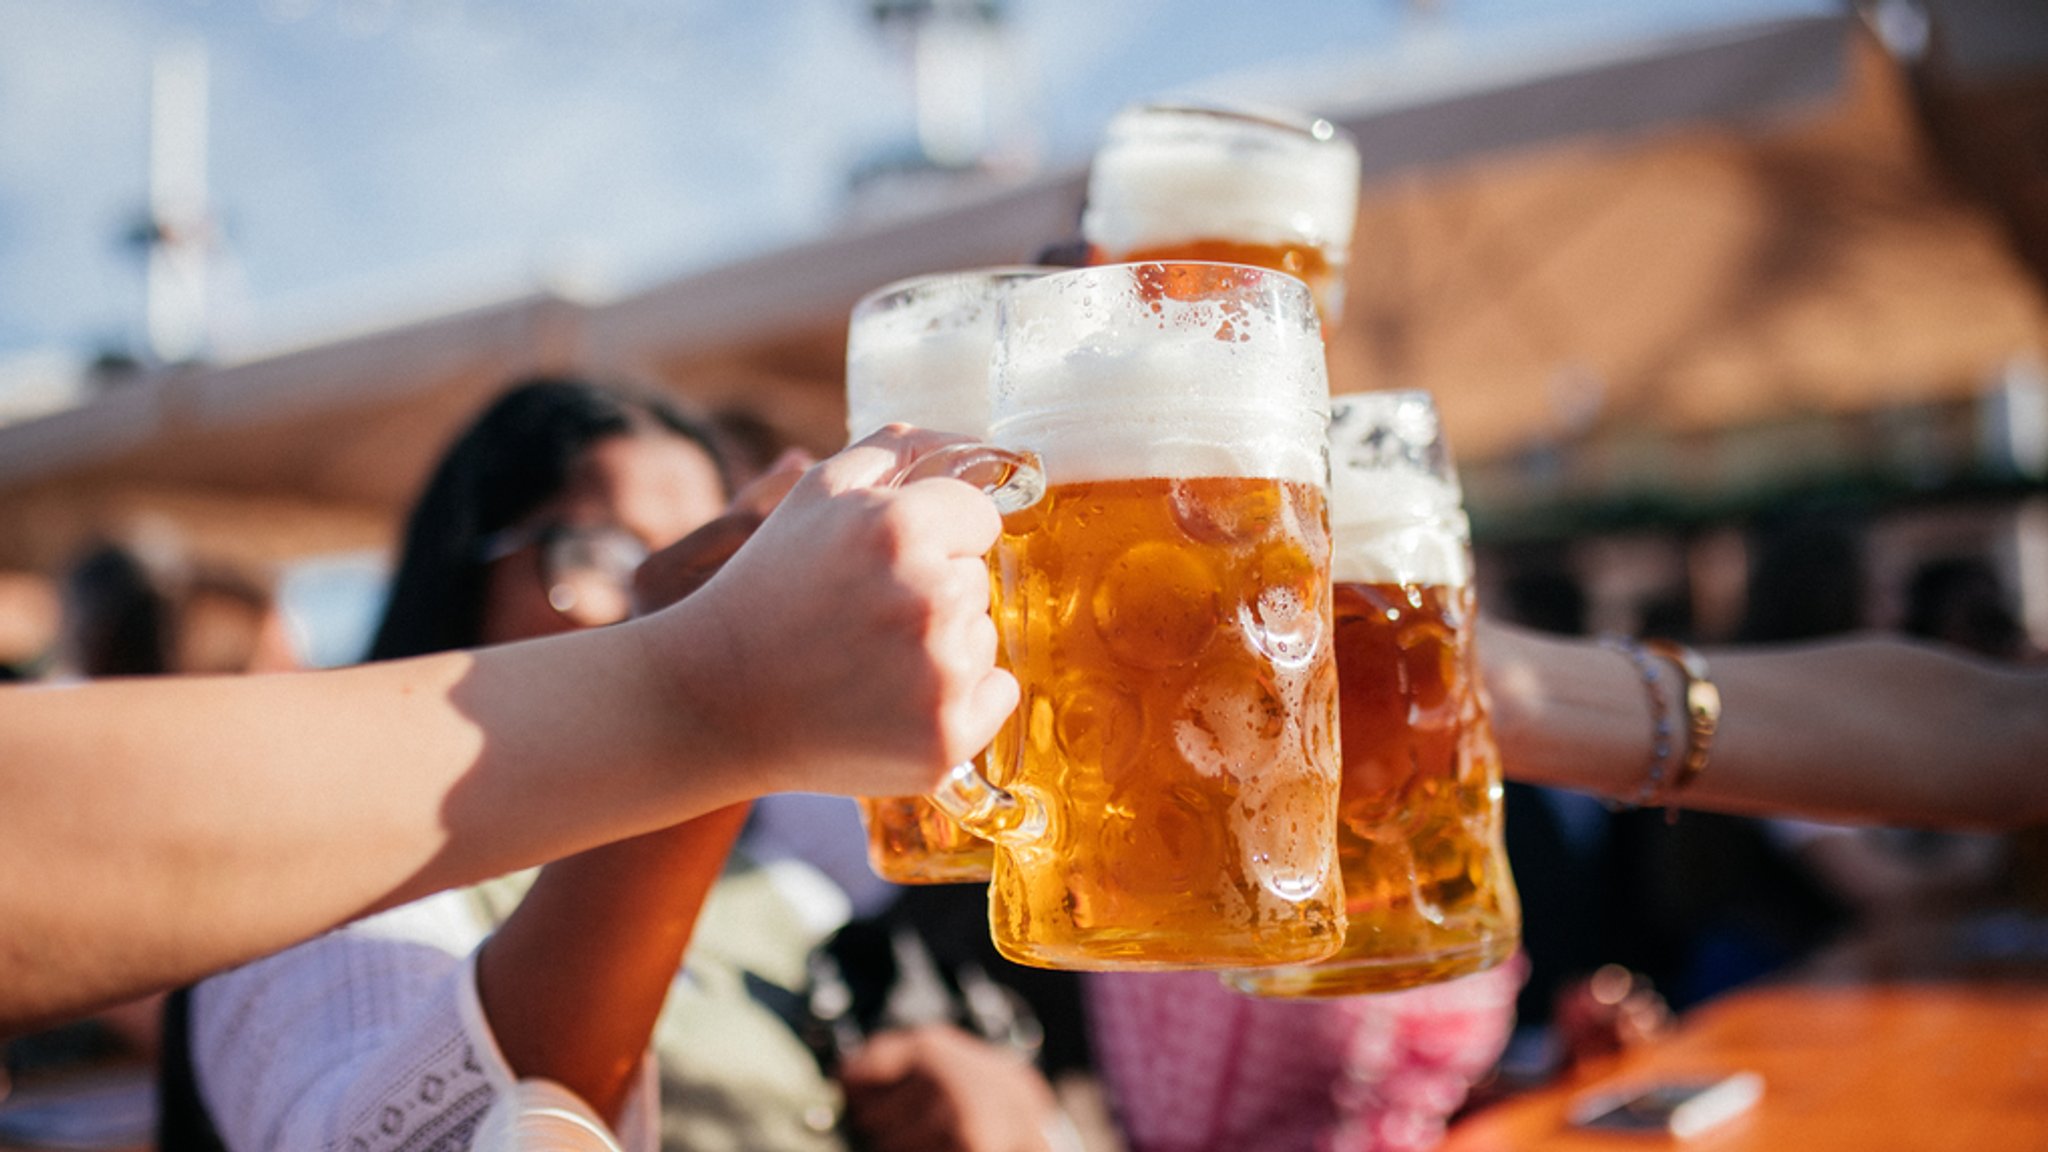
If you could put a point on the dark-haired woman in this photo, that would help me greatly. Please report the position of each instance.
(402, 1030)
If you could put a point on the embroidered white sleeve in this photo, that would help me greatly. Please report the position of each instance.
(368, 1039)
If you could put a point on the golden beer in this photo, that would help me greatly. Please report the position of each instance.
(917, 352)
(1428, 894)
(1303, 261)
(911, 842)
(1171, 636)
(1186, 182)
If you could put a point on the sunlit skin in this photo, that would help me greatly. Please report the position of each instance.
(1872, 729)
(379, 784)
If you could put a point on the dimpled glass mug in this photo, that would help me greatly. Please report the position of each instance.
(917, 352)
(1165, 795)
(1428, 895)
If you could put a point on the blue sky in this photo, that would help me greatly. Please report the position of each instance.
(372, 157)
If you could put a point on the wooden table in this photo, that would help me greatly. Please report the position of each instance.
(1847, 1067)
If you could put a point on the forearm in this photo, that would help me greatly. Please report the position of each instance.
(1868, 729)
(158, 830)
(572, 983)
(148, 830)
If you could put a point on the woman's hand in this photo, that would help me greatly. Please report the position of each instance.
(689, 563)
(847, 647)
(938, 1089)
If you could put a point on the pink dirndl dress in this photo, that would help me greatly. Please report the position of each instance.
(1192, 1066)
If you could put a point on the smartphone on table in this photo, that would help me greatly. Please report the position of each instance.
(1679, 1107)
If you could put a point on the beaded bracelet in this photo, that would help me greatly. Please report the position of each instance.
(1661, 746)
(1702, 717)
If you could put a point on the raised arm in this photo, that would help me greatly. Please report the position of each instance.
(148, 828)
(574, 980)
(1873, 729)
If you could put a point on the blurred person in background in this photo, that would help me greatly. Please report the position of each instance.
(131, 610)
(534, 524)
(146, 609)
(1194, 1066)
(1959, 600)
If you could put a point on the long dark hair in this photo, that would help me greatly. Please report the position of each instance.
(119, 614)
(516, 456)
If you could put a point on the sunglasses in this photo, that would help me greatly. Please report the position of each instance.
(587, 569)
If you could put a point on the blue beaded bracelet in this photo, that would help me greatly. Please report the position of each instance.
(1662, 730)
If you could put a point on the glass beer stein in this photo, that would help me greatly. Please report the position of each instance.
(1165, 795)
(1186, 182)
(917, 352)
(1427, 890)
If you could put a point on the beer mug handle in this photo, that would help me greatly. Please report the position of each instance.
(990, 811)
(1014, 480)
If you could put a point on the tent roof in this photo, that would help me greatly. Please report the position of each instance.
(1699, 280)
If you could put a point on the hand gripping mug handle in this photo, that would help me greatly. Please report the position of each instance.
(1014, 480)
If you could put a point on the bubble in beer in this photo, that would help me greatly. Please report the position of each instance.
(1157, 605)
(1284, 625)
(1240, 518)
(1319, 743)
(1097, 723)
(1039, 728)
(1289, 816)
(1229, 724)
(1292, 876)
(1158, 844)
(1429, 663)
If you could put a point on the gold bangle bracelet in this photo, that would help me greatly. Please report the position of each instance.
(1702, 718)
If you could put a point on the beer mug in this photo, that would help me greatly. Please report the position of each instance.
(917, 352)
(1165, 795)
(1186, 182)
(1427, 890)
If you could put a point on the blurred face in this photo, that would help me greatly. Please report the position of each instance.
(573, 563)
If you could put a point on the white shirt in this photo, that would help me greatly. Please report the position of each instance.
(372, 1039)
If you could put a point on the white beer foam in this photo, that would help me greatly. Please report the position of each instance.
(1393, 526)
(1176, 410)
(1156, 181)
(900, 369)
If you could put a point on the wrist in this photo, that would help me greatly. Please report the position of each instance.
(1566, 713)
(678, 728)
(1660, 769)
